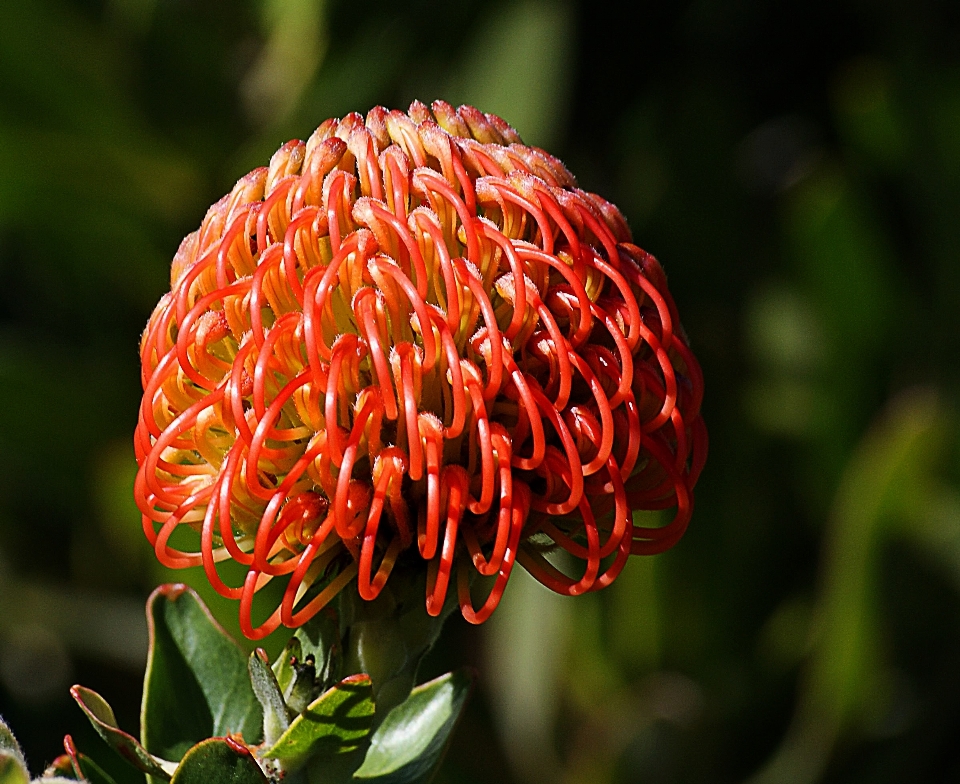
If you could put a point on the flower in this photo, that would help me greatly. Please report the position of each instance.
(413, 337)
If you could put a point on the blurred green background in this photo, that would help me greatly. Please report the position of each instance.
(796, 168)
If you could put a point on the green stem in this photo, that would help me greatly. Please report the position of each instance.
(388, 637)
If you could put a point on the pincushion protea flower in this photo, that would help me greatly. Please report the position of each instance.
(413, 337)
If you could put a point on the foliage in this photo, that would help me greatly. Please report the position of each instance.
(207, 719)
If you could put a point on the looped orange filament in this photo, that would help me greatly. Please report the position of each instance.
(413, 339)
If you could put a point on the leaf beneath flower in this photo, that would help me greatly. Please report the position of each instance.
(276, 718)
(218, 761)
(92, 772)
(197, 683)
(61, 767)
(336, 722)
(105, 723)
(320, 637)
(410, 744)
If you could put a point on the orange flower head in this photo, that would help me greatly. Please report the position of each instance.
(413, 337)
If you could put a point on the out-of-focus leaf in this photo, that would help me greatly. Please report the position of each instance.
(845, 255)
(265, 687)
(197, 683)
(868, 113)
(527, 636)
(518, 67)
(336, 722)
(218, 761)
(105, 723)
(33, 376)
(409, 745)
(893, 458)
(845, 673)
(13, 767)
(294, 50)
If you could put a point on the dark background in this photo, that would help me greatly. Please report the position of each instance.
(794, 165)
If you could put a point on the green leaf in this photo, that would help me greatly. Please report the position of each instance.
(317, 641)
(61, 767)
(410, 743)
(218, 761)
(320, 638)
(336, 722)
(265, 687)
(297, 678)
(283, 667)
(92, 772)
(77, 766)
(105, 723)
(13, 767)
(197, 683)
